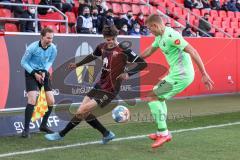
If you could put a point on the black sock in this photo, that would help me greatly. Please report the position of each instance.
(28, 115)
(73, 123)
(46, 116)
(92, 121)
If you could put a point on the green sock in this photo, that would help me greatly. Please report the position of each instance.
(159, 113)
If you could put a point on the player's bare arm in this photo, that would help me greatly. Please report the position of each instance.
(148, 52)
(197, 59)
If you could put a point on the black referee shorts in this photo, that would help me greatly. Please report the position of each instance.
(101, 97)
(33, 85)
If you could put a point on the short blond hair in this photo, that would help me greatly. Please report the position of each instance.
(154, 18)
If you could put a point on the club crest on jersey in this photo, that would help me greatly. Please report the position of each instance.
(177, 42)
(115, 53)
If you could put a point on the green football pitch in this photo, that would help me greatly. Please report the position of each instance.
(202, 128)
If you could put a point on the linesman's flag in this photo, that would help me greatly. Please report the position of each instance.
(41, 106)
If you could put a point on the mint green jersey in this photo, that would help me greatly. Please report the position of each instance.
(172, 45)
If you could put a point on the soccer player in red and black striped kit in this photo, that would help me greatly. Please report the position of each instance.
(115, 57)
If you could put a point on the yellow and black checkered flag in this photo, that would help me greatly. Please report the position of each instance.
(41, 108)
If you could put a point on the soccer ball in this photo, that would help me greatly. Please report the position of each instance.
(120, 114)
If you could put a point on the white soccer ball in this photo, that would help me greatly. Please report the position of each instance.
(120, 114)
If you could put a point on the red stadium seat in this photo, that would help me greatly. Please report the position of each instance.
(144, 9)
(225, 24)
(36, 1)
(237, 14)
(177, 11)
(196, 11)
(126, 8)
(54, 27)
(213, 30)
(222, 13)
(234, 19)
(10, 27)
(127, 1)
(52, 16)
(236, 30)
(163, 10)
(203, 11)
(236, 35)
(230, 14)
(137, 2)
(217, 18)
(117, 9)
(156, 2)
(213, 13)
(153, 10)
(109, 5)
(135, 9)
(71, 17)
(170, 4)
(62, 29)
(218, 34)
(234, 24)
(5, 13)
(226, 19)
(229, 30)
(217, 23)
(182, 21)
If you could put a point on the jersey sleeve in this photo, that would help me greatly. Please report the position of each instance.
(27, 57)
(98, 51)
(155, 43)
(177, 40)
(131, 56)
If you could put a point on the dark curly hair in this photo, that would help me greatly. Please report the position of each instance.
(110, 31)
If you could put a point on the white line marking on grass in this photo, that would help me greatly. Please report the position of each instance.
(117, 139)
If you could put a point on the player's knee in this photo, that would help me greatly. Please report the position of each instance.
(51, 102)
(32, 101)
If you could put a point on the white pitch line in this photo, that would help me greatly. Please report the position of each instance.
(117, 139)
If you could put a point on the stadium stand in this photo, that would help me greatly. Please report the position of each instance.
(223, 22)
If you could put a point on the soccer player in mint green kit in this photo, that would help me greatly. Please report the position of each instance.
(178, 53)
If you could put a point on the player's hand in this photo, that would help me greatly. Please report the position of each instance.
(123, 76)
(39, 78)
(71, 66)
(43, 74)
(207, 81)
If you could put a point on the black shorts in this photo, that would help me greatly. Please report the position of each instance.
(33, 85)
(101, 97)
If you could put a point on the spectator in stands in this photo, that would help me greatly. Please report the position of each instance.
(206, 4)
(129, 19)
(187, 32)
(6, 6)
(135, 30)
(216, 4)
(86, 3)
(204, 26)
(62, 5)
(101, 5)
(18, 10)
(231, 6)
(84, 22)
(118, 22)
(238, 5)
(96, 20)
(29, 26)
(189, 4)
(140, 19)
(124, 30)
(107, 18)
(44, 11)
(198, 4)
